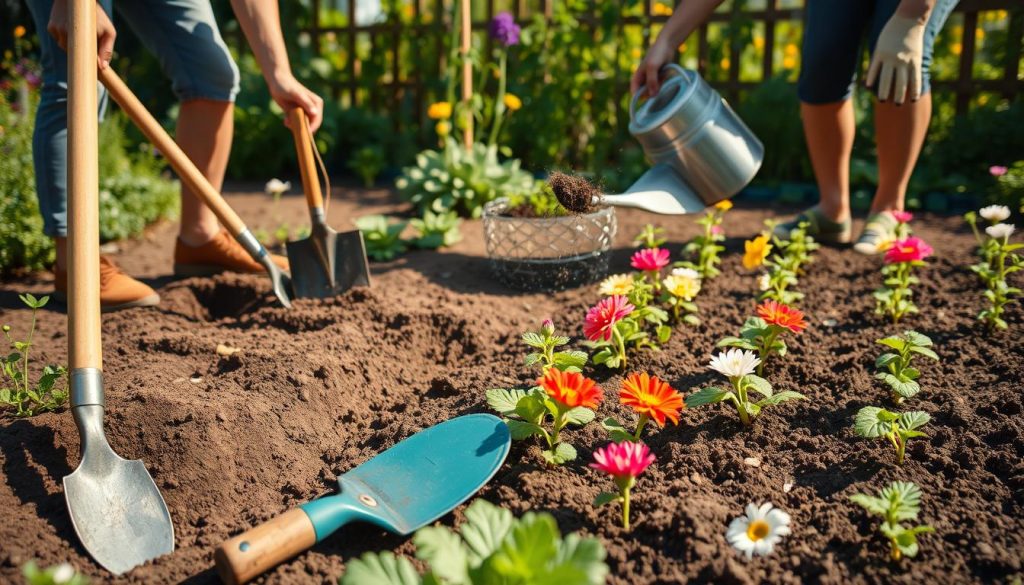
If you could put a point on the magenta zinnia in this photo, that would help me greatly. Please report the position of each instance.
(624, 462)
(602, 317)
(650, 259)
(912, 249)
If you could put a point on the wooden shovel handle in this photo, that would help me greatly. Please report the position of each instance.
(262, 548)
(307, 165)
(179, 161)
(83, 245)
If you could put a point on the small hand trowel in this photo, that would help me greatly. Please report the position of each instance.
(401, 490)
(326, 263)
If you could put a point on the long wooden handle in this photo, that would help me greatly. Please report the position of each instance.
(84, 343)
(262, 548)
(186, 169)
(307, 165)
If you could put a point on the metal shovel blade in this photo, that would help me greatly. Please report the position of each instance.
(117, 511)
(327, 263)
(659, 190)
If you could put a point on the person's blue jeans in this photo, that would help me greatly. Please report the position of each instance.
(184, 37)
(834, 33)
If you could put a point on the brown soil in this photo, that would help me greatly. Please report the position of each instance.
(233, 441)
(574, 192)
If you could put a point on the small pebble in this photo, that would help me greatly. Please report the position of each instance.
(830, 322)
(226, 350)
(195, 379)
(696, 478)
(221, 417)
(787, 487)
(752, 461)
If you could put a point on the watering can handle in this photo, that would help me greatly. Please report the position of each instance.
(673, 70)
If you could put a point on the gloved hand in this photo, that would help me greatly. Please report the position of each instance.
(896, 63)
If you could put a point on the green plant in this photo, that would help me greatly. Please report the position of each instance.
(706, 247)
(546, 343)
(896, 503)
(62, 574)
(738, 366)
(460, 180)
(998, 261)
(436, 230)
(650, 237)
(637, 324)
(786, 264)
(761, 333)
(540, 202)
(383, 239)
(367, 162)
(895, 298)
(894, 367)
(18, 390)
(492, 547)
(873, 422)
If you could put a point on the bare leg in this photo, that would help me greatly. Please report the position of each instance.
(204, 132)
(899, 132)
(829, 129)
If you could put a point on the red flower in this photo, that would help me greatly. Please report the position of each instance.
(775, 313)
(622, 460)
(604, 315)
(570, 388)
(650, 259)
(650, 396)
(902, 216)
(911, 249)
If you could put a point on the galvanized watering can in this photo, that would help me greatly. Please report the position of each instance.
(701, 151)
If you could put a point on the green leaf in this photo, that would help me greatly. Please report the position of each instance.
(709, 395)
(917, 339)
(926, 352)
(504, 400)
(587, 555)
(904, 500)
(876, 506)
(485, 529)
(533, 359)
(914, 419)
(580, 415)
(521, 429)
(606, 498)
(529, 547)
(443, 552)
(737, 342)
(562, 453)
(532, 407)
(872, 422)
(380, 569)
(564, 360)
(758, 384)
(663, 333)
(885, 359)
(691, 320)
(616, 431)
(906, 389)
(894, 342)
(534, 340)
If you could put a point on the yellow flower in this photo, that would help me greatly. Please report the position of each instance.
(955, 48)
(755, 251)
(982, 99)
(724, 63)
(512, 102)
(758, 43)
(440, 110)
(617, 284)
(661, 10)
(791, 50)
(682, 48)
(443, 128)
(636, 53)
(979, 34)
(19, 31)
(683, 287)
(724, 205)
(789, 63)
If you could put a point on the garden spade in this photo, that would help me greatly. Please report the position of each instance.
(116, 509)
(326, 263)
(190, 175)
(404, 488)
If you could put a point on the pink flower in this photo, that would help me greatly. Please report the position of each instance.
(911, 249)
(623, 460)
(997, 170)
(717, 230)
(547, 327)
(603, 316)
(902, 216)
(650, 259)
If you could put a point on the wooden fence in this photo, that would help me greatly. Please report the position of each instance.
(389, 35)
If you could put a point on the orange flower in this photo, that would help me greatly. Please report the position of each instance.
(649, 396)
(775, 313)
(570, 388)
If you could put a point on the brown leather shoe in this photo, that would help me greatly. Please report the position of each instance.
(117, 289)
(221, 254)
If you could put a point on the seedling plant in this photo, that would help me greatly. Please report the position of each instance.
(680, 289)
(762, 333)
(895, 367)
(898, 502)
(999, 260)
(786, 265)
(894, 299)
(706, 247)
(49, 392)
(873, 422)
(624, 462)
(383, 238)
(738, 366)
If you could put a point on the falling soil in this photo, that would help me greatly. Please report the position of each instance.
(574, 192)
(235, 440)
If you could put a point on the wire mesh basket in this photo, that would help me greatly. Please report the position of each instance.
(548, 253)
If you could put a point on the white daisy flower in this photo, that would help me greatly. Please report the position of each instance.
(276, 187)
(764, 282)
(1000, 231)
(686, 273)
(63, 573)
(995, 213)
(735, 362)
(757, 532)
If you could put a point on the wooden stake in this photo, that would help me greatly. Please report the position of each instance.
(84, 344)
(467, 70)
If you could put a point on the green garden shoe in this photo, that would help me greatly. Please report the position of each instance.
(819, 227)
(879, 232)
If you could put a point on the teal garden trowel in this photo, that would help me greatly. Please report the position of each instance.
(404, 488)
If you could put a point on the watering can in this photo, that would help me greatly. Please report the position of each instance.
(701, 151)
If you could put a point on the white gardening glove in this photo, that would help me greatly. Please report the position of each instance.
(896, 63)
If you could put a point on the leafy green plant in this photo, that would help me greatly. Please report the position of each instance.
(62, 574)
(492, 547)
(540, 202)
(895, 298)
(738, 366)
(786, 265)
(873, 422)
(895, 367)
(545, 342)
(436, 230)
(898, 502)
(383, 239)
(998, 260)
(367, 162)
(638, 325)
(762, 333)
(706, 247)
(650, 237)
(18, 391)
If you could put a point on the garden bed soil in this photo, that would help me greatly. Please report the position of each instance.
(233, 441)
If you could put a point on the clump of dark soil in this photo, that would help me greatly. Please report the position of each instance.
(574, 192)
(316, 390)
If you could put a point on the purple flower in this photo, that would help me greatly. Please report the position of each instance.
(505, 30)
(32, 79)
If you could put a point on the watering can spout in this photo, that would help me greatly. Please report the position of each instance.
(659, 190)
